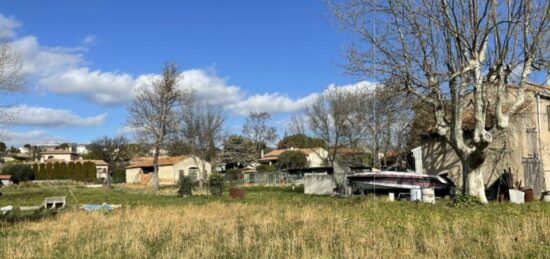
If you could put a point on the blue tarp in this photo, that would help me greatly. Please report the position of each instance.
(95, 207)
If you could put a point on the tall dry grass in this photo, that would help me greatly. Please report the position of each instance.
(240, 230)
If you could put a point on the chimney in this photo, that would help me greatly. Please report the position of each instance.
(262, 153)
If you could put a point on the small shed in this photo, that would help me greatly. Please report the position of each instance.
(170, 168)
(5, 180)
(317, 180)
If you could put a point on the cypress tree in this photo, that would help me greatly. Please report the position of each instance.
(36, 171)
(71, 171)
(78, 172)
(56, 171)
(64, 173)
(42, 169)
(49, 171)
(92, 171)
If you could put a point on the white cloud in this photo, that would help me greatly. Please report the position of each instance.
(34, 137)
(43, 61)
(100, 87)
(89, 40)
(48, 117)
(7, 27)
(63, 70)
(126, 130)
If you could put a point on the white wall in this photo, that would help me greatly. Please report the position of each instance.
(321, 184)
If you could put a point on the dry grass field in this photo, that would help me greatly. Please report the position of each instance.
(270, 223)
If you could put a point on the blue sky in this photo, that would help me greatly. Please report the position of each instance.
(84, 58)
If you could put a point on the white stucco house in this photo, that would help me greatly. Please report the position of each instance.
(67, 155)
(170, 168)
(59, 154)
(316, 157)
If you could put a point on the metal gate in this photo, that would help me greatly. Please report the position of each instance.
(533, 174)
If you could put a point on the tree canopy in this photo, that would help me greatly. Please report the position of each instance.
(292, 159)
(300, 141)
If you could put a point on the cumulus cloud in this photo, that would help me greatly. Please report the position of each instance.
(43, 61)
(33, 137)
(47, 117)
(7, 27)
(63, 70)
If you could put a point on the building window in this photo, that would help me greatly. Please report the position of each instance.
(194, 173)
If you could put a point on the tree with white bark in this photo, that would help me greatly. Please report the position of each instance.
(456, 56)
(155, 111)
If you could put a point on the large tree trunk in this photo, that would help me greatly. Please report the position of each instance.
(472, 179)
(475, 185)
(155, 177)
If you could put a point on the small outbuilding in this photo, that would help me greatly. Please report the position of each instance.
(170, 168)
(5, 180)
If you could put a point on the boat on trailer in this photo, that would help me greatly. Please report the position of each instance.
(398, 182)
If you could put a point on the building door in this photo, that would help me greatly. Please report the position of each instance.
(417, 154)
(533, 174)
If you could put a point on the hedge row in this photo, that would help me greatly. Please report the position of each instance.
(75, 171)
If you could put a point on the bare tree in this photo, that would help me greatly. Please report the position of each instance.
(339, 118)
(111, 150)
(11, 78)
(202, 129)
(389, 112)
(456, 56)
(155, 111)
(257, 130)
(296, 125)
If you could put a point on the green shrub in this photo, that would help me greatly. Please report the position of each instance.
(119, 176)
(233, 175)
(266, 168)
(466, 201)
(215, 181)
(19, 172)
(185, 184)
(292, 159)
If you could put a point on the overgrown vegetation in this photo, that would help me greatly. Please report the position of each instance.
(292, 159)
(269, 223)
(18, 172)
(215, 182)
(185, 184)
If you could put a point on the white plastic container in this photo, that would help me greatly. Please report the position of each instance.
(428, 195)
(416, 194)
(391, 196)
(517, 196)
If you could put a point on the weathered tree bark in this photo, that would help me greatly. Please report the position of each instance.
(155, 176)
(475, 183)
(460, 57)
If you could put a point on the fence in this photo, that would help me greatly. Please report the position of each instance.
(265, 178)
